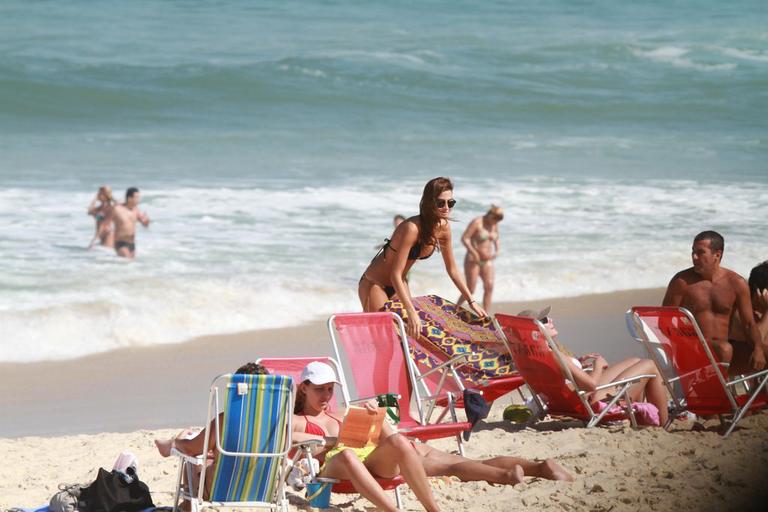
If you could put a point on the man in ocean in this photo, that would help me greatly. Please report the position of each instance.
(125, 217)
(713, 293)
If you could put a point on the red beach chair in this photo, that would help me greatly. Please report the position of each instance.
(697, 381)
(375, 345)
(292, 367)
(543, 367)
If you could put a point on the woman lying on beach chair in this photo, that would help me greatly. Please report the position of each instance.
(393, 453)
(592, 370)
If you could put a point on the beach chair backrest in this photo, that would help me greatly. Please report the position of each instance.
(292, 367)
(372, 348)
(256, 420)
(536, 358)
(701, 377)
(660, 354)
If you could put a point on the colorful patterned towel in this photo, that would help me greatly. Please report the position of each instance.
(447, 331)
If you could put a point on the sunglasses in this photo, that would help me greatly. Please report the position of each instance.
(442, 203)
(545, 320)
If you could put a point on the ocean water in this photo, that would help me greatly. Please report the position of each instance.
(273, 144)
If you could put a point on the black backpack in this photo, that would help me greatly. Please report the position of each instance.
(113, 491)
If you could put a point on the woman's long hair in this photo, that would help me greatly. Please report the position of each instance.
(428, 214)
(298, 405)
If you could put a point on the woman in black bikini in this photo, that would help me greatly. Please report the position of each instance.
(416, 238)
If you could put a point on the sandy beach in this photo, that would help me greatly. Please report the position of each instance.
(76, 416)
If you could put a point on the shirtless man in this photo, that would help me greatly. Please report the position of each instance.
(125, 216)
(712, 293)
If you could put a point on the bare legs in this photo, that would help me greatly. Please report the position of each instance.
(474, 270)
(471, 273)
(487, 273)
(649, 390)
(394, 455)
(372, 296)
(499, 470)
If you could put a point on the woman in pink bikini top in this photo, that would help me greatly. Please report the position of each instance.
(391, 455)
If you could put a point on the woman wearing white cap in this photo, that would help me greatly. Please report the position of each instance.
(393, 454)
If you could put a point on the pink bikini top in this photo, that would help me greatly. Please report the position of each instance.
(315, 429)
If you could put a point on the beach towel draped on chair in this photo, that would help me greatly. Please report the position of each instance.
(449, 332)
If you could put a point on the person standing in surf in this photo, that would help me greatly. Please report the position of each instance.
(481, 238)
(415, 239)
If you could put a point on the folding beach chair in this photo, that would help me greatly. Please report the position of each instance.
(543, 367)
(292, 367)
(455, 342)
(674, 341)
(375, 346)
(252, 435)
(657, 353)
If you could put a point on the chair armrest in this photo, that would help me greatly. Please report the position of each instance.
(363, 400)
(308, 443)
(751, 376)
(193, 459)
(624, 381)
(441, 366)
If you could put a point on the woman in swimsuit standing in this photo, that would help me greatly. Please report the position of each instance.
(416, 238)
(101, 209)
(392, 455)
(481, 238)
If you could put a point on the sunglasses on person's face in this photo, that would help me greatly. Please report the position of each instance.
(442, 203)
(545, 320)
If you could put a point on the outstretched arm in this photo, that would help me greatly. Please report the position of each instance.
(144, 219)
(403, 239)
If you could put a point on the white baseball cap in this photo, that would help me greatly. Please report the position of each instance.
(318, 373)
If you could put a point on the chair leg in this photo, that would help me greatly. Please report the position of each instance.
(398, 499)
(744, 409)
(178, 486)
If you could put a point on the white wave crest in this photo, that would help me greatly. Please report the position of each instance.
(676, 56)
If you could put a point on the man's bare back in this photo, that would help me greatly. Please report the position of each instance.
(712, 293)
(125, 217)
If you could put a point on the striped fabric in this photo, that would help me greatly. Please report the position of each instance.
(255, 418)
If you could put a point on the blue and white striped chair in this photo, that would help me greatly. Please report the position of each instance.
(251, 450)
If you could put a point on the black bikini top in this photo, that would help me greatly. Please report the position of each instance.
(413, 254)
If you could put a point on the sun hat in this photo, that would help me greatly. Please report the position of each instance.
(538, 315)
(318, 373)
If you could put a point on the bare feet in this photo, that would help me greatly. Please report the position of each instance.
(514, 476)
(164, 446)
(552, 471)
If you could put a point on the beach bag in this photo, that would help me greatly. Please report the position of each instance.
(113, 491)
(66, 500)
